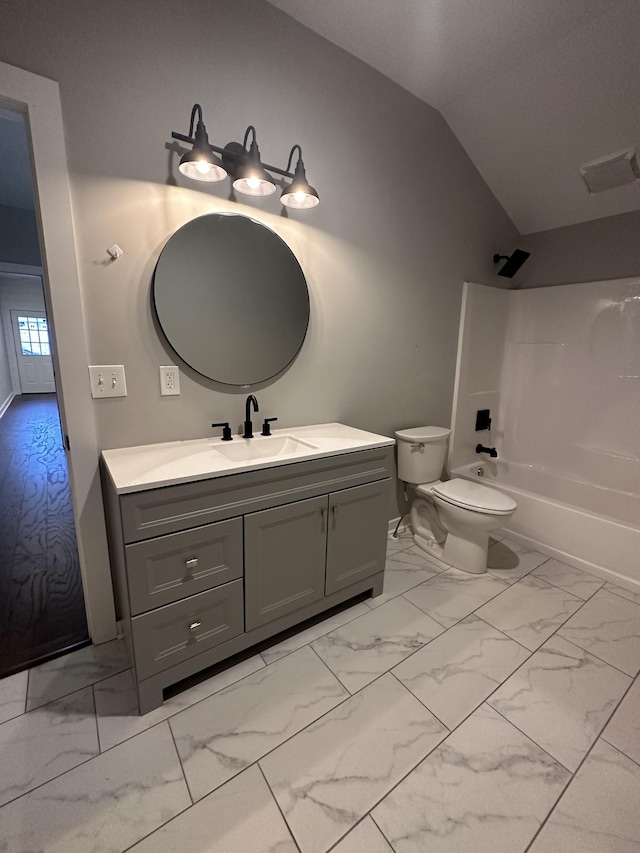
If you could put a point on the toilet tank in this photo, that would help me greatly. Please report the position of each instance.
(421, 453)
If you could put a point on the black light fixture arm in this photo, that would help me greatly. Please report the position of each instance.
(291, 158)
(190, 139)
(196, 111)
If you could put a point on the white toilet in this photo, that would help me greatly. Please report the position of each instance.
(450, 520)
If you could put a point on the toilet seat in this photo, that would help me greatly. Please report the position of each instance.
(474, 497)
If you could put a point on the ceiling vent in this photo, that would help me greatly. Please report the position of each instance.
(611, 171)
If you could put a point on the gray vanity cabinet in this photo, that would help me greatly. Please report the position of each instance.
(205, 569)
(284, 559)
(298, 553)
(357, 534)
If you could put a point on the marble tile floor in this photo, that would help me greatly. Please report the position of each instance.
(454, 712)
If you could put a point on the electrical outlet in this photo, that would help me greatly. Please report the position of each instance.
(169, 380)
(107, 380)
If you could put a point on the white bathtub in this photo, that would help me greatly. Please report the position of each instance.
(585, 525)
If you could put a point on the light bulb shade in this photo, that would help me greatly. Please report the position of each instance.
(200, 165)
(300, 194)
(251, 178)
(253, 184)
(301, 198)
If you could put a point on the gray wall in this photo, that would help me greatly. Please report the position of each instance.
(590, 251)
(404, 218)
(18, 236)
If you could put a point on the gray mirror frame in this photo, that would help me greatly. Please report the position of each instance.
(285, 275)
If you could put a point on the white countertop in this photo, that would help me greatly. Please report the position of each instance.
(150, 466)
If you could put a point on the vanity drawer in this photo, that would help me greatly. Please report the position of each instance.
(171, 634)
(169, 509)
(172, 567)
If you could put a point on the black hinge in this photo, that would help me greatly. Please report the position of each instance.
(67, 443)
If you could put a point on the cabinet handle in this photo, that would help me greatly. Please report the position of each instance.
(334, 512)
(323, 513)
(191, 564)
(194, 626)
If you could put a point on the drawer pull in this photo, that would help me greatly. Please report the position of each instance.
(194, 626)
(191, 564)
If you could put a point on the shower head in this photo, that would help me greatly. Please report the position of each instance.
(513, 263)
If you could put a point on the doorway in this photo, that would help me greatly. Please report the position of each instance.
(42, 608)
(37, 99)
(33, 351)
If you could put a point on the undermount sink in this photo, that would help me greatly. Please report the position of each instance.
(262, 447)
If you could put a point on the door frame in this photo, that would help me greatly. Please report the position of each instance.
(38, 99)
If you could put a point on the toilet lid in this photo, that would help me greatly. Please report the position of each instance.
(475, 496)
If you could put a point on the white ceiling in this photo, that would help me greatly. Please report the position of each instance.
(532, 88)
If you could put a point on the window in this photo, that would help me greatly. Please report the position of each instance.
(34, 335)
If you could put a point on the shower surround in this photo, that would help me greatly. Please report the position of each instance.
(559, 367)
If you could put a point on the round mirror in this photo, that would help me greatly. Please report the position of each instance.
(231, 299)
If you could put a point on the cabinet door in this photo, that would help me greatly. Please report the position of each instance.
(285, 551)
(357, 540)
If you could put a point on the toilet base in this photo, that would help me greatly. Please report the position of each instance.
(468, 554)
(429, 546)
(462, 554)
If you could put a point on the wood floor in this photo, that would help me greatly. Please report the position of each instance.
(41, 601)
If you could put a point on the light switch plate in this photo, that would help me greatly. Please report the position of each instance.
(107, 380)
(169, 380)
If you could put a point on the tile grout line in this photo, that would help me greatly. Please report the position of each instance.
(561, 795)
(311, 723)
(617, 748)
(171, 819)
(562, 589)
(71, 692)
(379, 828)
(426, 707)
(95, 716)
(182, 770)
(591, 654)
(277, 804)
(364, 600)
(619, 595)
(533, 740)
(560, 625)
(447, 627)
(348, 832)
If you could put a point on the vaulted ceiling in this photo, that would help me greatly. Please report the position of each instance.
(533, 89)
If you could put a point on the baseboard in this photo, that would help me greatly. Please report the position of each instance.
(4, 406)
(591, 568)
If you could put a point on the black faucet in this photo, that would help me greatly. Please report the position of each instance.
(248, 426)
(490, 450)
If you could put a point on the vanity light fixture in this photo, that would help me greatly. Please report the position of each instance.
(243, 164)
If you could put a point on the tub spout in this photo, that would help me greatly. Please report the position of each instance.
(490, 450)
